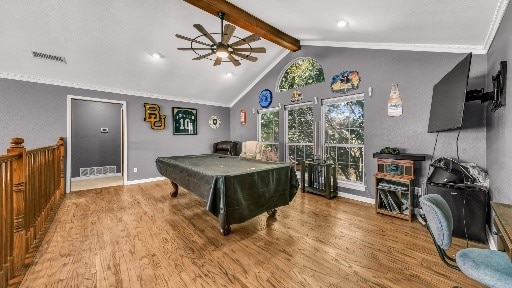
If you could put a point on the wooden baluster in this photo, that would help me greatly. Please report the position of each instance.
(61, 155)
(29, 200)
(18, 168)
(3, 232)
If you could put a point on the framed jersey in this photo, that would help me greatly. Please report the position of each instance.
(185, 121)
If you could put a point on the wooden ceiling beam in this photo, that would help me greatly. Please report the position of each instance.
(246, 21)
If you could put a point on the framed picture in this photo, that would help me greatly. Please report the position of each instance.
(185, 121)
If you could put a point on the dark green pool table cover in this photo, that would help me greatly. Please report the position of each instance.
(235, 189)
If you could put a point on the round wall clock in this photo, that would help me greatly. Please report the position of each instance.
(214, 122)
(265, 98)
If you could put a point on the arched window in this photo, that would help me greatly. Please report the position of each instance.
(299, 73)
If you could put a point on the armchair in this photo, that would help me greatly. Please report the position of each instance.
(252, 150)
(225, 148)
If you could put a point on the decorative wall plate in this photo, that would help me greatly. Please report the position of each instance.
(214, 122)
(265, 98)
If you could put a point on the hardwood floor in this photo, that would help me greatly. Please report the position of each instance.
(138, 236)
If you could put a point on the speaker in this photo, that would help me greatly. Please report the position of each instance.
(470, 210)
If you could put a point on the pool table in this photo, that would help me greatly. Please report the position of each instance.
(235, 189)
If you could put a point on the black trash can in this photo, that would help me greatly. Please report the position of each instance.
(470, 206)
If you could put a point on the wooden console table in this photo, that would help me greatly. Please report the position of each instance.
(321, 178)
(503, 226)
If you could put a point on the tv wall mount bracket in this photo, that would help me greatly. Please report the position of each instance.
(498, 93)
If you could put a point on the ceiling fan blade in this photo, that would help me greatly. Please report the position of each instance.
(192, 49)
(203, 31)
(191, 40)
(233, 60)
(228, 33)
(244, 56)
(246, 40)
(218, 60)
(204, 56)
(251, 50)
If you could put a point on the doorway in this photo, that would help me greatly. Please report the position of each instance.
(96, 143)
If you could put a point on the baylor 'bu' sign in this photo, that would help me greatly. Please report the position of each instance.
(185, 121)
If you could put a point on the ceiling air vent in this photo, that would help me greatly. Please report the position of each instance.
(49, 57)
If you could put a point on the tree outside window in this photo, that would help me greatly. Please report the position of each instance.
(344, 137)
(301, 72)
(300, 133)
(269, 130)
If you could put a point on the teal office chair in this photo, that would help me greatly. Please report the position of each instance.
(489, 267)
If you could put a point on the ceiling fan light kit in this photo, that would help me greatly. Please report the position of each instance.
(222, 49)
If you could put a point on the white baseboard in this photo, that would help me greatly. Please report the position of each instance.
(96, 177)
(490, 238)
(140, 181)
(357, 198)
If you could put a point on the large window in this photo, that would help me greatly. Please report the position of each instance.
(268, 129)
(343, 121)
(299, 132)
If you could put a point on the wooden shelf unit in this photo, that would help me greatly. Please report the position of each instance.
(394, 184)
(321, 178)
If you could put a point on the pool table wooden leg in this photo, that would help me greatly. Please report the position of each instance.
(225, 231)
(175, 188)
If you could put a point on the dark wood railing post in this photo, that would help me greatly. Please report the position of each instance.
(60, 143)
(18, 177)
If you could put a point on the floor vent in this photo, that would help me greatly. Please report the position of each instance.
(97, 171)
(49, 57)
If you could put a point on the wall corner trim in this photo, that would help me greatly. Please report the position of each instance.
(356, 197)
(147, 180)
(36, 79)
(495, 23)
(475, 49)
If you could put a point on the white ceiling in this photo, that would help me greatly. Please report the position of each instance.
(107, 44)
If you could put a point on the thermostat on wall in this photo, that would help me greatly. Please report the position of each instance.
(104, 130)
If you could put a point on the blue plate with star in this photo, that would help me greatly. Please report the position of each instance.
(265, 98)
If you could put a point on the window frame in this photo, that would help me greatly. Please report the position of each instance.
(286, 109)
(263, 111)
(360, 186)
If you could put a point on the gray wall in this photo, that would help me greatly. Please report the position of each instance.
(415, 72)
(499, 124)
(37, 112)
(91, 147)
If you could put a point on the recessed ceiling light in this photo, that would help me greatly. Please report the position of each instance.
(342, 23)
(157, 55)
(228, 75)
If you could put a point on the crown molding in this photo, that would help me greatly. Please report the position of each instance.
(257, 79)
(399, 46)
(495, 23)
(36, 79)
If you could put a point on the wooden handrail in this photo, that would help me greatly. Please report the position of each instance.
(31, 187)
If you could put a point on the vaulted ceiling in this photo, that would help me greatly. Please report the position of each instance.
(108, 44)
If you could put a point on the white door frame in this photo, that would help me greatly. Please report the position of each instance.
(68, 139)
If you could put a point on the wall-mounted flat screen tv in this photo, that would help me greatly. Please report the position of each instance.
(448, 98)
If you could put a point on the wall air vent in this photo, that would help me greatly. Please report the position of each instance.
(49, 57)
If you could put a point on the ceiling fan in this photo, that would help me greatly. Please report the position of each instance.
(222, 49)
